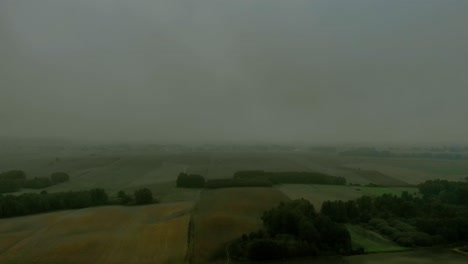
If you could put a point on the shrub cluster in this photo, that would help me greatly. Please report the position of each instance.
(403, 234)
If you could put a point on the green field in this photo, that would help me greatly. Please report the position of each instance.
(372, 242)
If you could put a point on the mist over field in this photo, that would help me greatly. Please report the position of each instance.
(266, 70)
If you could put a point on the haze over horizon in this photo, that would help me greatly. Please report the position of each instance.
(265, 70)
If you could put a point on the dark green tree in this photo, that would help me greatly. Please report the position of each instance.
(59, 177)
(143, 196)
(123, 197)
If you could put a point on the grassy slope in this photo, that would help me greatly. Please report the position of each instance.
(145, 234)
(371, 242)
(222, 215)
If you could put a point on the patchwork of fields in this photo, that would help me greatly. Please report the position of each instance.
(159, 233)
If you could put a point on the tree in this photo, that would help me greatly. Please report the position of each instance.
(13, 175)
(98, 196)
(143, 196)
(123, 197)
(190, 181)
(59, 177)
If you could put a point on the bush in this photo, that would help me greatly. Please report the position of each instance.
(190, 181)
(59, 177)
(226, 183)
(264, 249)
(143, 196)
(13, 175)
(38, 183)
(123, 197)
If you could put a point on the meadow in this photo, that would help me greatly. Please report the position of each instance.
(371, 241)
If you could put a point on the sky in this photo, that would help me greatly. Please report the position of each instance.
(222, 70)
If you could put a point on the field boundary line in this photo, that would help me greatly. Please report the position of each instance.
(190, 239)
(458, 250)
(228, 258)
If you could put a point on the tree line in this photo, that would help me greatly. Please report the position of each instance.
(190, 180)
(371, 152)
(185, 180)
(291, 177)
(438, 216)
(33, 203)
(14, 180)
(290, 230)
(257, 179)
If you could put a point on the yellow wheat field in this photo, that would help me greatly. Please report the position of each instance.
(145, 234)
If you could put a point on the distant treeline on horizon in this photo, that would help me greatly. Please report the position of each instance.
(371, 152)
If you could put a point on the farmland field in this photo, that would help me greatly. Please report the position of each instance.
(159, 233)
(317, 194)
(222, 215)
(120, 169)
(144, 234)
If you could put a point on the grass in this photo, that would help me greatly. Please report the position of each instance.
(113, 234)
(371, 242)
(317, 194)
(222, 215)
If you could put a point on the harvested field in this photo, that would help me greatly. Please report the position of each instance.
(143, 234)
(222, 215)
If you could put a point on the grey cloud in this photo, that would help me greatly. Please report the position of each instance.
(273, 70)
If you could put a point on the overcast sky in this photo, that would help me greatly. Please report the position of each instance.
(243, 70)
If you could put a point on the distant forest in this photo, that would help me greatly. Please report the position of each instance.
(32, 203)
(291, 177)
(257, 179)
(435, 154)
(14, 180)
